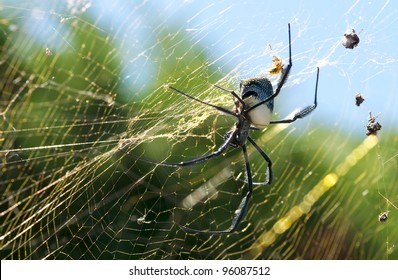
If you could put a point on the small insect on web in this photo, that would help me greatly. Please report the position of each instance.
(253, 110)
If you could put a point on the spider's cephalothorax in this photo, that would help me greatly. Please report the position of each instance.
(253, 110)
(239, 132)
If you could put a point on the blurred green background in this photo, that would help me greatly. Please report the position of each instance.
(83, 97)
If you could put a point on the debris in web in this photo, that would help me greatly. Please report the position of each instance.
(383, 216)
(373, 126)
(277, 66)
(351, 40)
(359, 99)
(48, 52)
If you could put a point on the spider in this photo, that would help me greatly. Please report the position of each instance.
(253, 110)
(142, 220)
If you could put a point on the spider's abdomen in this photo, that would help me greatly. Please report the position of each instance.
(253, 91)
(260, 117)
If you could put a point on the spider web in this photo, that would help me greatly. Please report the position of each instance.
(83, 97)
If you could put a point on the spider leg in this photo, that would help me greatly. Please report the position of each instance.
(282, 80)
(305, 111)
(266, 158)
(286, 71)
(241, 211)
(233, 93)
(219, 108)
(196, 160)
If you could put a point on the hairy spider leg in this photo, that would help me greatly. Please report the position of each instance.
(242, 208)
(269, 166)
(233, 93)
(305, 111)
(266, 158)
(197, 160)
(222, 109)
